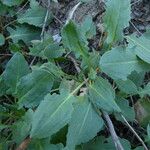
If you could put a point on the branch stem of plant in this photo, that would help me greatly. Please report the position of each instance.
(115, 138)
(135, 27)
(70, 16)
(45, 21)
(43, 28)
(24, 144)
(134, 132)
(112, 131)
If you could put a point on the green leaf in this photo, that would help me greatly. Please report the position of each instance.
(12, 2)
(127, 86)
(148, 132)
(84, 125)
(2, 39)
(53, 51)
(53, 113)
(44, 144)
(88, 28)
(34, 86)
(35, 15)
(139, 148)
(46, 49)
(85, 1)
(94, 59)
(15, 47)
(119, 63)
(2, 126)
(25, 33)
(126, 110)
(137, 78)
(74, 40)
(3, 87)
(22, 127)
(16, 68)
(3, 9)
(102, 95)
(38, 47)
(142, 49)
(101, 143)
(116, 18)
(145, 90)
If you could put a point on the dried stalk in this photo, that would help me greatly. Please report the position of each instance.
(134, 132)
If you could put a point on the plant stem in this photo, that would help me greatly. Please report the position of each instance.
(45, 21)
(70, 16)
(134, 132)
(24, 144)
(112, 131)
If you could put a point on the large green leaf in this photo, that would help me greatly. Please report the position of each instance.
(74, 40)
(141, 47)
(53, 113)
(84, 125)
(16, 68)
(12, 2)
(34, 86)
(119, 63)
(35, 15)
(25, 33)
(116, 18)
(103, 95)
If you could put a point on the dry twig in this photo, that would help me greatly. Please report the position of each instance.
(114, 136)
(134, 132)
(24, 144)
(70, 16)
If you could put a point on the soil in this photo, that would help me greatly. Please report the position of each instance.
(140, 17)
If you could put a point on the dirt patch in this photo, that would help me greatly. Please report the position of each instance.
(140, 17)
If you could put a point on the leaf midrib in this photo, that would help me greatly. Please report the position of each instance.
(121, 63)
(84, 120)
(134, 41)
